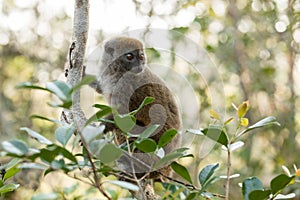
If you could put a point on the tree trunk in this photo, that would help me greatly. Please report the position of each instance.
(77, 54)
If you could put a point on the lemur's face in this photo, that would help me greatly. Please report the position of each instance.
(125, 55)
(133, 61)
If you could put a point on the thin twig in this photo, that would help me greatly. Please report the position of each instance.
(94, 169)
(227, 187)
(133, 171)
(177, 181)
(123, 176)
(81, 180)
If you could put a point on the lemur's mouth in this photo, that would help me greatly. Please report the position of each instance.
(137, 69)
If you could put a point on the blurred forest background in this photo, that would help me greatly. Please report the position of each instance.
(254, 44)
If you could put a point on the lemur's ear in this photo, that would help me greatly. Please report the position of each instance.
(109, 50)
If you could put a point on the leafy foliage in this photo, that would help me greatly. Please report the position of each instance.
(253, 188)
(57, 155)
(8, 171)
(206, 174)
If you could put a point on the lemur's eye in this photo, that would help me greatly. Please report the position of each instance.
(141, 56)
(129, 56)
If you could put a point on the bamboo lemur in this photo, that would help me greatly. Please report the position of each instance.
(125, 80)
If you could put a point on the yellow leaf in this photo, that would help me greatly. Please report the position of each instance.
(292, 181)
(228, 120)
(298, 172)
(244, 122)
(213, 114)
(242, 109)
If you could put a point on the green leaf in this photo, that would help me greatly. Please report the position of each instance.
(90, 133)
(96, 146)
(48, 155)
(217, 134)
(148, 132)
(209, 182)
(33, 154)
(45, 118)
(105, 170)
(49, 196)
(146, 101)
(250, 184)
(147, 145)
(8, 188)
(64, 133)
(181, 171)
(28, 85)
(11, 164)
(170, 187)
(52, 151)
(57, 164)
(16, 147)
(61, 89)
(206, 173)
(181, 150)
(66, 104)
(264, 122)
(167, 137)
(104, 111)
(259, 194)
(177, 193)
(84, 81)
(236, 145)
(192, 196)
(101, 106)
(125, 122)
(67, 154)
(285, 197)
(36, 136)
(178, 153)
(181, 30)
(208, 195)
(47, 171)
(228, 120)
(279, 182)
(126, 185)
(109, 153)
(29, 165)
(195, 131)
(187, 156)
(11, 172)
(106, 120)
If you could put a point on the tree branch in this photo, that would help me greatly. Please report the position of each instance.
(74, 74)
(76, 60)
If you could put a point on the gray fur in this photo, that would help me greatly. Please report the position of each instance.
(125, 84)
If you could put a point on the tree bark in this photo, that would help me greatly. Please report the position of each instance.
(77, 53)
